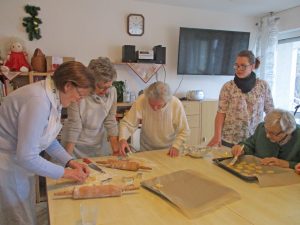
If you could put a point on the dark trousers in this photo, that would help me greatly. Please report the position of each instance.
(227, 144)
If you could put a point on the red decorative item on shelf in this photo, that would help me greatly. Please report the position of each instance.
(16, 59)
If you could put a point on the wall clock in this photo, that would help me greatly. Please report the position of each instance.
(135, 24)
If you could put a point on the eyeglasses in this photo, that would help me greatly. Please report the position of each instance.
(104, 85)
(79, 94)
(241, 67)
(273, 133)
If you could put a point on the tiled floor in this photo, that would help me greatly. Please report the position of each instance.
(42, 213)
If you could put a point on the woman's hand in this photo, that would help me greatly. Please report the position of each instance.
(76, 165)
(75, 174)
(215, 141)
(272, 161)
(123, 145)
(173, 152)
(297, 168)
(237, 150)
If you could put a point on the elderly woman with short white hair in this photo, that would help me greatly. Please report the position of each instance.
(276, 140)
(92, 121)
(164, 123)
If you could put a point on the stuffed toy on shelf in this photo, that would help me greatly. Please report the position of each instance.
(16, 59)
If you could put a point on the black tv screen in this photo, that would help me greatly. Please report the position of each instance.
(209, 52)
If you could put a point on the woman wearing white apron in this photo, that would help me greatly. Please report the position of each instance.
(29, 124)
(92, 120)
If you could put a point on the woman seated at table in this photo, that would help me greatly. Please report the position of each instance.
(84, 132)
(164, 123)
(276, 140)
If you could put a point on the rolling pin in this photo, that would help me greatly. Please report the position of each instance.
(123, 165)
(95, 191)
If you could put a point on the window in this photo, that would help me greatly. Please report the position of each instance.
(286, 92)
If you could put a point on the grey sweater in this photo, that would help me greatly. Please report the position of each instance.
(87, 122)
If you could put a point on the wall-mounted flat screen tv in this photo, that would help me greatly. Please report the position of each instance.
(209, 52)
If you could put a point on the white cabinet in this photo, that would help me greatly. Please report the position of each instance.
(192, 110)
(201, 119)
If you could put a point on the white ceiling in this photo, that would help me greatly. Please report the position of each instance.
(245, 7)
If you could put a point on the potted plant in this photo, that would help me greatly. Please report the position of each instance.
(120, 86)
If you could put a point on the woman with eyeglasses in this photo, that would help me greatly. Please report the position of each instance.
(29, 124)
(92, 120)
(242, 103)
(276, 141)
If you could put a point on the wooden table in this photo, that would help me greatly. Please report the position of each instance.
(272, 205)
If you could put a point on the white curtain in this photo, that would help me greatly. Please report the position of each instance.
(265, 48)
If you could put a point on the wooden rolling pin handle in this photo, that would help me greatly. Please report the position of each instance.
(130, 188)
(64, 193)
(102, 162)
(145, 168)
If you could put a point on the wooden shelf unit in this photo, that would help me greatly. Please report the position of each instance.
(31, 79)
(33, 74)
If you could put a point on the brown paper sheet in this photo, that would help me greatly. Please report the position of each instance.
(280, 179)
(192, 192)
(249, 166)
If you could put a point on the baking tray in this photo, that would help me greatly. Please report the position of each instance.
(220, 163)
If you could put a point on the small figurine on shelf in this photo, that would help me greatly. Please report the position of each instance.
(38, 61)
(16, 59)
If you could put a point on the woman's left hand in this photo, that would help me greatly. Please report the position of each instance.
(297, 168)
(272, 161)
(173, 152)
(76, 165)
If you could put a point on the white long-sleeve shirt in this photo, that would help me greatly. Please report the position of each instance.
(24, 116)
(160, 129)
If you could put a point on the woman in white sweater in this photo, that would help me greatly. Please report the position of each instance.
(164, 123)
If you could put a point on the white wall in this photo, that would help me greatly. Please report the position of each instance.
(92, 28)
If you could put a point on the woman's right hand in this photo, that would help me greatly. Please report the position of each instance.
(215, 141)
(237, 150)
(75, 174)
(123, 145)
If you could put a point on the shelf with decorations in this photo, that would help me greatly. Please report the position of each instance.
(145, 71)
(33, 75)
(13, 80)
